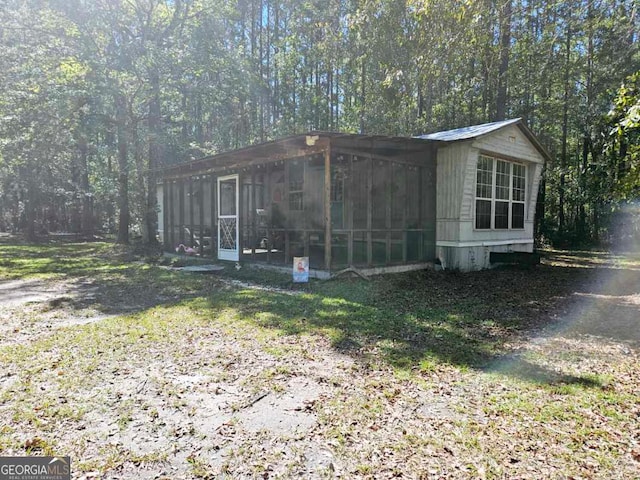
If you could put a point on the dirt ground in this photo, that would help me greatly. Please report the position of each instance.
(222, 402)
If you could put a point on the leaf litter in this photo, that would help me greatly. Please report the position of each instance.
(193, 396)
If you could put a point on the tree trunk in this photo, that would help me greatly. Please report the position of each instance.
(565, 127)
(155, 154)
(540, 225)
(76, 220)
(85, 188)
(30, 213)
(141, 187)
(505, 46)
(123, 170)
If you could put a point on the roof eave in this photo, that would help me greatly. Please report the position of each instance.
(516, 122)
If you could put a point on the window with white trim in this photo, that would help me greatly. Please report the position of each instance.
(500, 194)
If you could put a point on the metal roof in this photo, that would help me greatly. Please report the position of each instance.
(475, 131)
(467, 133)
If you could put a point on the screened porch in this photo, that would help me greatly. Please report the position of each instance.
(341, 200)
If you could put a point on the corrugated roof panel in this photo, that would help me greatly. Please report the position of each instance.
(468, 132)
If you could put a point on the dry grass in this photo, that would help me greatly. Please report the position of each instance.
(140, 372)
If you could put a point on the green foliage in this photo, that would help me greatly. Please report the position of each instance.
(624, 144)
(197, 78)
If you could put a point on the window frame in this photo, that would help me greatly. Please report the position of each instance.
(494, 187)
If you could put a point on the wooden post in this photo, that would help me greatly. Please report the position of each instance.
(214, 229)
(327, 208)
(241, 220)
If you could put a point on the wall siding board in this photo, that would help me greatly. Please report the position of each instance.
(533, 184)
(511, 143)
(469, 189)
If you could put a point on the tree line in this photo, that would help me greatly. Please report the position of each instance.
(96, 95)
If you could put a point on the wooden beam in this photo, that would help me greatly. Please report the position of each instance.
(327, 208)
(248, 162)
(401, 158)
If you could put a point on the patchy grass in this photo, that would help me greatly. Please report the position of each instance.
(486, 375)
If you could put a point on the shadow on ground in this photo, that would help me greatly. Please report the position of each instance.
(419, 319)
(413, 321)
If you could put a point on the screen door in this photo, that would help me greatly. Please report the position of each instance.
(228, 244)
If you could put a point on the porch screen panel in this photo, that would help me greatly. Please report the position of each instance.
(276, 213)
(339, 179)
(253, 217)
(379, 248)
(195, 199)
(412, 224)
(379, 195)
(296, 186)
(359, 191)
(207, 228)
(339, 245)
(260, 214)
(176, 236)
(397, 239)
(398, 195)
(185, 228)
(428, 211)
(360, 248)
(413, 198)
(313, 222)
(313, 218)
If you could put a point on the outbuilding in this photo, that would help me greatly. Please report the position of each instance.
(365, 202)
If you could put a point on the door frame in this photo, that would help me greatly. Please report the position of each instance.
(223, 253)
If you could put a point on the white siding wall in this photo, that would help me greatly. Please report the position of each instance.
(509, 142)
(450, 187)
(460, 245)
